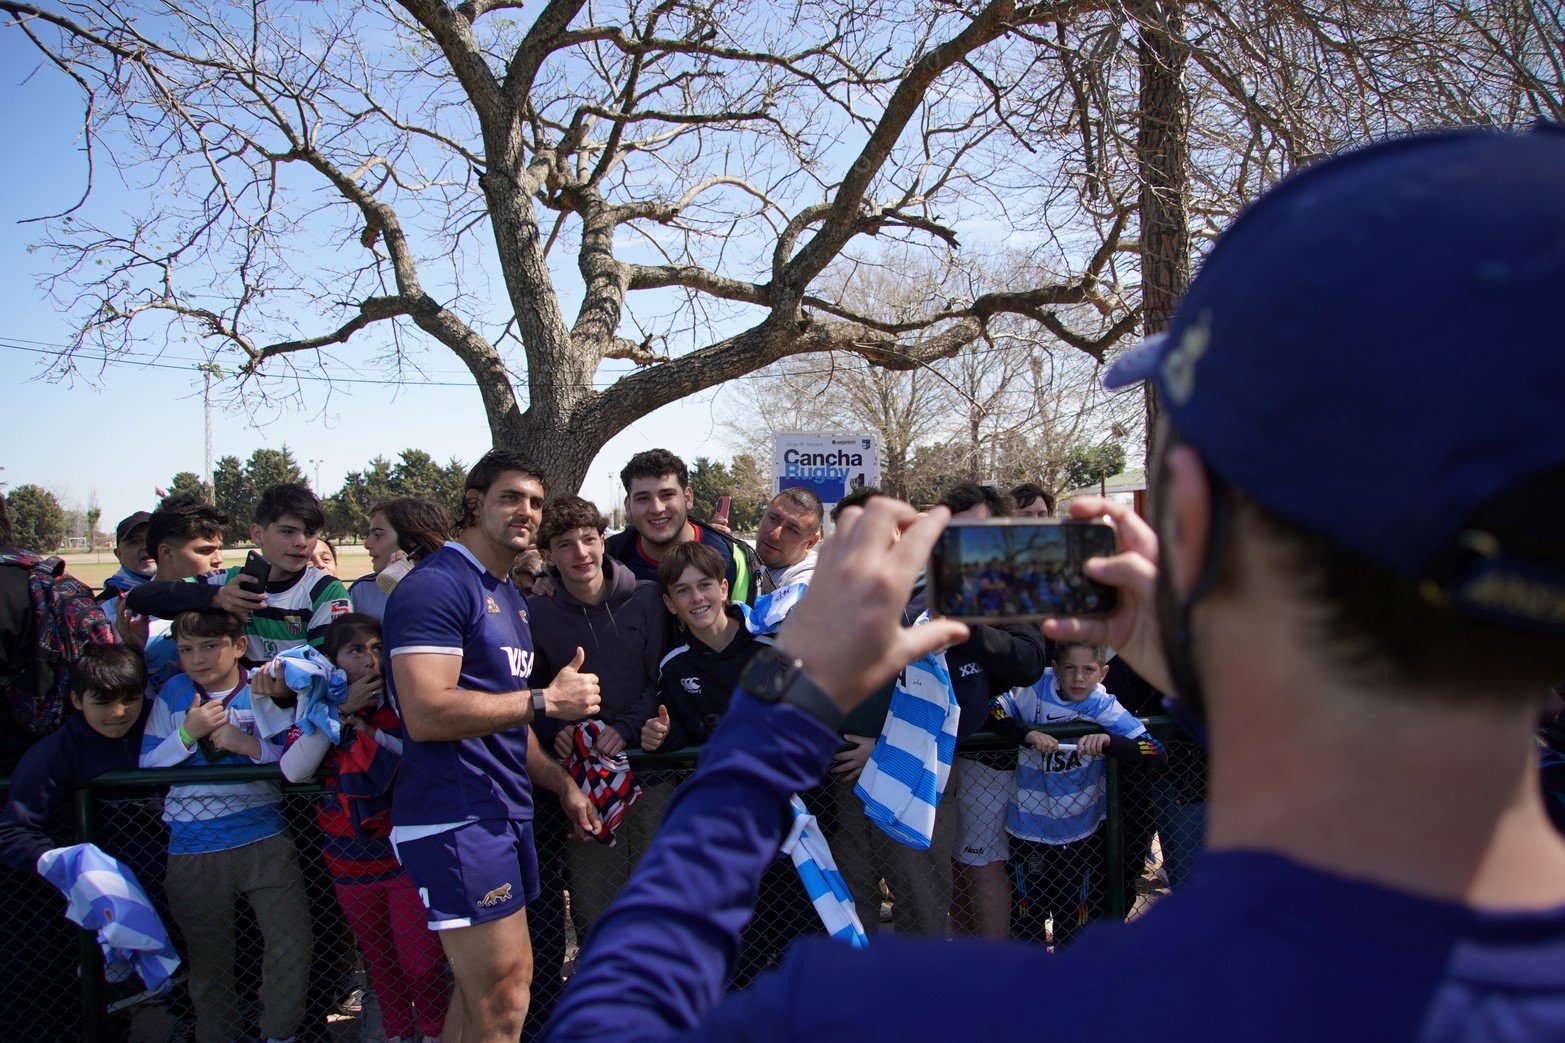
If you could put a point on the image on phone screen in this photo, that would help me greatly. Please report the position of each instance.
(1014, 569)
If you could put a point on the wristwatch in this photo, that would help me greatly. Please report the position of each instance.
(540, 705)
(772, 677)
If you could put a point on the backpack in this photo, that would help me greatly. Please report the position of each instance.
(67, 619)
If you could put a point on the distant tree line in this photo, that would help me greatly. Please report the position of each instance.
(237, 484)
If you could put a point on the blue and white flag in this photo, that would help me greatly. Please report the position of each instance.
(769, 610)
(822, 882)
(320, 686)
(908, 768)
(105, 897)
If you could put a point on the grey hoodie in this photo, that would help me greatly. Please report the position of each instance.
(622, 638)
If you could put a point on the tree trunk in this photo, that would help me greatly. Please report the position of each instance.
(563, 450)
(1163, 155)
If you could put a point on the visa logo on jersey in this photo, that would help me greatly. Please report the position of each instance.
(1060, 760)
(521, 661)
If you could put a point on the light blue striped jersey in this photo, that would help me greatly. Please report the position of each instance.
(105, 896)
(822, 881)
(211, 816)
(1061, 796)
(907, 770)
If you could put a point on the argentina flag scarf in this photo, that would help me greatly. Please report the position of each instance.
(907, 771)
(822, 881)
(105, 897)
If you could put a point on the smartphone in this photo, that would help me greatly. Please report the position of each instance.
(208, 748)
(258, 570)
(722, 509)
(1008, 570)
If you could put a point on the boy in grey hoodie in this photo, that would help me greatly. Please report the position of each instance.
(596, 606)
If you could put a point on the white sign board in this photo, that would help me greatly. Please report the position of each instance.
(830, 464)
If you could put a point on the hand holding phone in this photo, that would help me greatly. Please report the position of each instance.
(721, 515)
(256, 573)
(245, 593)
(204, 718)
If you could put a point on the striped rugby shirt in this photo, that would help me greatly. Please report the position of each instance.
(297, 612)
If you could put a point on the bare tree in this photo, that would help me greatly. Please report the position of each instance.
(324, 174)
(599, 210)
(904, 407)
(1192, 108)
(1006, 409)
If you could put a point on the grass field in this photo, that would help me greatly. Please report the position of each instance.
(94, 567)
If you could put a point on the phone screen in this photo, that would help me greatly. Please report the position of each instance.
(1000, 570)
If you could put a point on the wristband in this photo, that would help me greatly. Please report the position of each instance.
(540, 705)
(185, 738)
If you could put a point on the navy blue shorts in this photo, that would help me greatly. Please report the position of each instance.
(479, 871)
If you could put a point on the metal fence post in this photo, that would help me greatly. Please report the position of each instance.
(91, 956)
(1116, 844)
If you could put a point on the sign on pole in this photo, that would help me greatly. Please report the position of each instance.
(830, 464)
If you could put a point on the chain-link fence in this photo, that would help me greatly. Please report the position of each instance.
(300, 932)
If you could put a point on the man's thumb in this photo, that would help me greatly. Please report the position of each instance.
(581, 657)
(662, 714)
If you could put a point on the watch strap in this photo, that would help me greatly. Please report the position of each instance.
(810, 697)
(540, 705)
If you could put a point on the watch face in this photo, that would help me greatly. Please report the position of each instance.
(768, 675)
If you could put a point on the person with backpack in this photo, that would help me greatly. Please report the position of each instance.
(38, 644)
(46, 618)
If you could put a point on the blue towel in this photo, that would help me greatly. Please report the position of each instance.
(769, 610)
(320, 686)
(818, 872)
(908, 768)
(105, 897)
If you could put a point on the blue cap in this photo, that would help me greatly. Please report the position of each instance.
(1373, 350)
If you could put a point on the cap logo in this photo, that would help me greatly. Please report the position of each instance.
(1531, 598)
(1178, 370)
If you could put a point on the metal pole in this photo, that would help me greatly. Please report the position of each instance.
(93, 1013)
(206, 395)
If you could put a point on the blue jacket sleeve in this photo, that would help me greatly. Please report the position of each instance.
(657, 962)
(39, 788)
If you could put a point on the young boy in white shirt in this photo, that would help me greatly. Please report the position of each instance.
(1056, 814)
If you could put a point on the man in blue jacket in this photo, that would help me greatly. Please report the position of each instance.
(1369, 658)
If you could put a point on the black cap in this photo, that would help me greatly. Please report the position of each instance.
(130, 525)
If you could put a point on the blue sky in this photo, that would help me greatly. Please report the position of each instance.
(134, 426)
(119, 433)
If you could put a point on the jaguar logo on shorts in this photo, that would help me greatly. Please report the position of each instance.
(495, 897)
